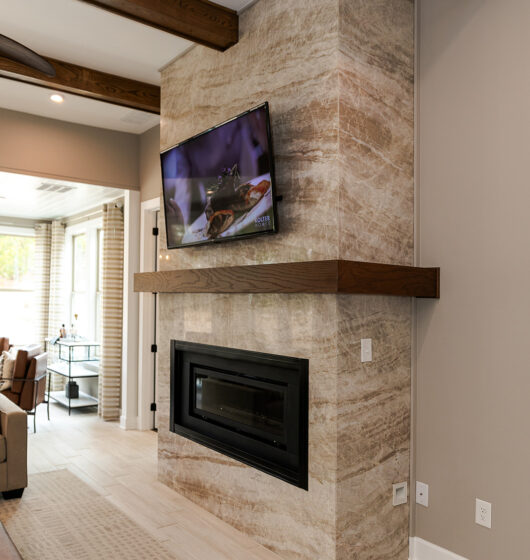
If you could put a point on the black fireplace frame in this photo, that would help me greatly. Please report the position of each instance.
(289, 463)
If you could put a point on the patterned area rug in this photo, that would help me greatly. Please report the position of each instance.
(59, 517)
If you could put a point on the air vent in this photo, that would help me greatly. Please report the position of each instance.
(45, 186)
(53, 187)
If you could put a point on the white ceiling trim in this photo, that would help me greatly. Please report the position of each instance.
(38, 198)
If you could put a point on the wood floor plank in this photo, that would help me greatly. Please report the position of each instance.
(150, 512)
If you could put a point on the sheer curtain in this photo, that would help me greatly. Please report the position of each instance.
(112, 313)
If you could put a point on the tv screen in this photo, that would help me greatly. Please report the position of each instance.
(219, 185)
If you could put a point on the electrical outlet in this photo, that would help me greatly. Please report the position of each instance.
(483, 513)
(366, 349)
(399, 493)
(422, 494)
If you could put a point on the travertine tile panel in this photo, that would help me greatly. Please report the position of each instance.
(287, 55)
(373, 427)
(376, 121)
(339, 77)
(295, 523)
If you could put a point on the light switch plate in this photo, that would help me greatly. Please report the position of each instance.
(366, 349)
(422, 494)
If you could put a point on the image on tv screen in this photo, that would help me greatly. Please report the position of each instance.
(219, 185)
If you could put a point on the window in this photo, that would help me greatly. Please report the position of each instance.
(85, 242)
(99, 289)
(79, 315)
(17, 315)
(79, 277)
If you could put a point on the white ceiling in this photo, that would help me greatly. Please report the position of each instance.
(76, 32)
(26, 98)
(83, 34)
(20, 196)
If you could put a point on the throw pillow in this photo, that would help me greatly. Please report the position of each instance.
(8, 370)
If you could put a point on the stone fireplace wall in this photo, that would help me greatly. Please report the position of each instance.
(338, 75)
(295, 523)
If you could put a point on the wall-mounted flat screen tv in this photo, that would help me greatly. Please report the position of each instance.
(219, 185)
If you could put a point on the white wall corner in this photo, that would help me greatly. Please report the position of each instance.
(420, 549)
(129, 400)
(128, 422)
(148, 255)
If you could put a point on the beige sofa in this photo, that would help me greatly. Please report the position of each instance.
(13, 449)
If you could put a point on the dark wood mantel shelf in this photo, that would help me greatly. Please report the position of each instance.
(311, 277)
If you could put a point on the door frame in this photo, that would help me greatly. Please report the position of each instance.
(146, 372)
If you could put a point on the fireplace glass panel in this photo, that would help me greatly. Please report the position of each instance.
(250, 406)
(258, 408)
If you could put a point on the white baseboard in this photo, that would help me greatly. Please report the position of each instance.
(129, 423)
(423, 550)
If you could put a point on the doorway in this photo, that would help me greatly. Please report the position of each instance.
(147, 347)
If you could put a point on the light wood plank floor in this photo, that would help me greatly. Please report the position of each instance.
(121, 465)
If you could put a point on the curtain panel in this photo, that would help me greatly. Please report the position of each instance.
(41, 274)
(49, 287)
(56, 314)
(57, 273)
(112, 313)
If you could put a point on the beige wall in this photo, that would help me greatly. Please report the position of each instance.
(473, 386)
(56, 149)
(150, 172)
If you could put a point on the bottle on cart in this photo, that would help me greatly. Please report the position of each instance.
(74, 327)
(71, 390)
(62, 331)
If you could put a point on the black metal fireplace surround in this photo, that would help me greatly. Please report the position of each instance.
(248, 405)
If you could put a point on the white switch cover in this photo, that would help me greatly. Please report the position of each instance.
(366, 349)
(399, 493)
(422, 494)
(483, 513)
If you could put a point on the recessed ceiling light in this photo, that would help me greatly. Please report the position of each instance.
(56, 98)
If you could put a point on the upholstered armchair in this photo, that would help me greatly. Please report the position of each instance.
(28, 389)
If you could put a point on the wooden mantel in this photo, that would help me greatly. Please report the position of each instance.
(311, 277)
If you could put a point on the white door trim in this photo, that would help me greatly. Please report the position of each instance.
(129, 389)
(146, 315)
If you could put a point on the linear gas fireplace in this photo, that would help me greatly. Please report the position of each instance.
(248, 405)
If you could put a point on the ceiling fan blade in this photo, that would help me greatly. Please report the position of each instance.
(19, 53)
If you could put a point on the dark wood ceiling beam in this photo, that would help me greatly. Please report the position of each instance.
(86, 82)
(199, 21)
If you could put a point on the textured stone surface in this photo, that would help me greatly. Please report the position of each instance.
(339, 77)
(376, 123)
(294, 523)
(287, 55)
(358, 422)
(373, 427)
